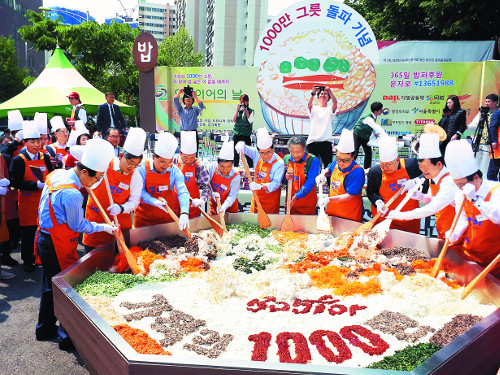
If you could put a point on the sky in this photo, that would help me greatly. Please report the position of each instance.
(101, 9)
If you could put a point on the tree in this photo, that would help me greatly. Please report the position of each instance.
(430, 19)
(178, 50)
(11, 83)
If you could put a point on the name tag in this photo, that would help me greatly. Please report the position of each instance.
(263, 174)
(43, 169)
(189, 174)
(401, 181)
(481, 218)
(163, 187)
(336, 184)
(123, 186)
(223, 186)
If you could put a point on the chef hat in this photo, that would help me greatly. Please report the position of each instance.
(264, 140)
(30, 130)
(188, 142)
(135, 142)
(429, 146)
(166, 145)
(227, 151)
(57, 123)
(41, 122)
(77, 151)
(97, 154)
(346, 142)
(80, 129)
(15, 120)
(388, 148)
(459, 159)
(20, 135)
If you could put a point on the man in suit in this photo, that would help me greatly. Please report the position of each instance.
(113, 137)
(110, 116)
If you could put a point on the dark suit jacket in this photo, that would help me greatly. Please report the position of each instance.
(104, 119)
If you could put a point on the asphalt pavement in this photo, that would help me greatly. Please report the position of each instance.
(20, 352)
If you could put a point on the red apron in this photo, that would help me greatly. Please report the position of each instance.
(119, 185)
(481, 237)
(29, 200)
(389, 186)
(496, 153)
(64, 239)
(444, 217)
(353, 209)
(305, 205)
(189, 173)
(157, 185)
(270, 201)
(58, 150)
(19, 148)
(221, 185)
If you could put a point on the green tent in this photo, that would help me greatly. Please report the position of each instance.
(48, 93)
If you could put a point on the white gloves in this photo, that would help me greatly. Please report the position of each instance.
(418, 196)
(255, 186)
(40, 185)
(158, 204)
(196, 202)
(4, 182)
(108, 228)
(215, 196)
(223, 208)
(469, 191)
(323, 201)
(408, 185)
(453, 237)
(320, 179)
(3, 190)
(58, 157)
(240, 147)
(407, 215)
(183, 221)
(114, 209)
(381, 208)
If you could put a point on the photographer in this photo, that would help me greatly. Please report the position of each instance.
(484, 125)
(188, 114)
(243, 121)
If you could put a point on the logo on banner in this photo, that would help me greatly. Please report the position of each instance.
(392, 98)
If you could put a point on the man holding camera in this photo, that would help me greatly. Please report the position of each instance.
(189, 113)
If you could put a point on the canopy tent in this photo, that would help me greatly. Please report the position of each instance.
(48, 93)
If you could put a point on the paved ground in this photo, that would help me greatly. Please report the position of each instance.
(20, 352)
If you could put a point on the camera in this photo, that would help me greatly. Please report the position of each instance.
(188, 91)
(320, 88)
(484, 111)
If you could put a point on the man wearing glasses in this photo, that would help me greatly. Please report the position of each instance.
(113, 137)
(346, 182)
(269, 172)
(125, 184)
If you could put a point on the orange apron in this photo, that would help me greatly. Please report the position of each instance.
(221, 185)
(119, 185)
(19, 148)
(444, 217)
(389, 186)
(189, 173)
(353, 209)
(29, 200)
(305, 205)
(496, 153)
(64, 239)
(58, 150)
(270, 201)
(157, 185)
(481, 237)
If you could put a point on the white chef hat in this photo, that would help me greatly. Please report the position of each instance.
(227, 151)
(77, 151)
(57, 123)
(20, 135)
(166, 145)
(459, 159)
(264, 140)
(346, 142)
(135, 141)
(80, 129)
(188, 142)
(429, 146)
(41, 122)
(97, 154)
(388, 148)
(30, 130)
(15, 120)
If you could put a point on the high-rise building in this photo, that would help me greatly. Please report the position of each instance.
(157, 19)
(226, 31)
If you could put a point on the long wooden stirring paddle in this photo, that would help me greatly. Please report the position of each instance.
(171, 212)
(468, 289)
(221, 215)
(264, 221)
(217, 227)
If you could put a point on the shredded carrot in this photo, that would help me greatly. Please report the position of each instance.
(140, 340)
(284, 237)
(120, 263)
(372, 286)
(192, 265)
(422, 266)
(451, 283)
(145, 259)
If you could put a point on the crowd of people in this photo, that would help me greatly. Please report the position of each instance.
(47, 177)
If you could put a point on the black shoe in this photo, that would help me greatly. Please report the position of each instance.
(9, 261)
(66, 344)
(43, 334)
(29, 267)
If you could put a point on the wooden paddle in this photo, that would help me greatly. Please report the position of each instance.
(106, 181)
(468, 289)
(287, 224)
(4, 231)
(217, 227)
(171, 212)
(221, 215)
(371, 223)
(439, 261)
(122, 247)
(264, 221)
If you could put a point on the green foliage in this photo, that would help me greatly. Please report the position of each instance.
(249, 265)
(108, 284)
(245, 229)
(430, 19)
(408, 358)
(12, 79)
(178, 50)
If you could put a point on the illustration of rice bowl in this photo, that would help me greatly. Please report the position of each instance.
(317, 57)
